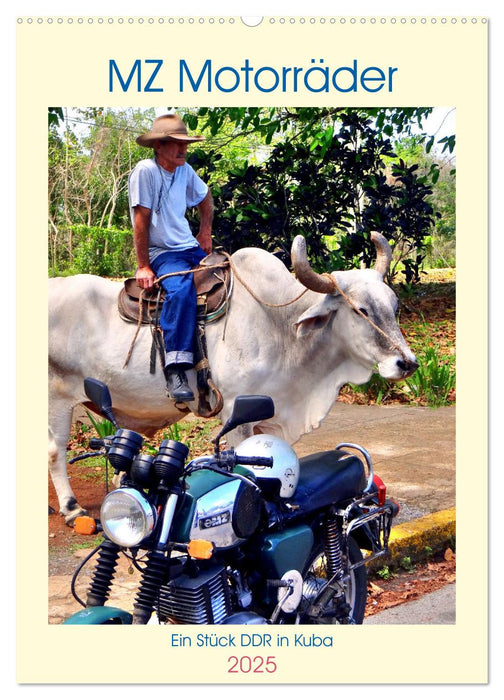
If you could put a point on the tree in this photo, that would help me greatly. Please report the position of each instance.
(439, 169)
(90, 156)
(331, 174)
(324, 177)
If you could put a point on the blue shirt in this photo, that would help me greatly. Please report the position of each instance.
(167, 195)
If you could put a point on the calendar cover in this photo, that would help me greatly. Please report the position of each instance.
(354, 145)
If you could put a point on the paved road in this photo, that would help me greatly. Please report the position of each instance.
(412, 448)
(437, 608)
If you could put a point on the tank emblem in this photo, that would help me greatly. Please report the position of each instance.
(215, 520)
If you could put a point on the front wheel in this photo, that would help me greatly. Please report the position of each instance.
(354, 588)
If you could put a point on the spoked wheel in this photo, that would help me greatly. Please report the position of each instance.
(355, 589)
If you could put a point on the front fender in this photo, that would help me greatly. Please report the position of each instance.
(100, 615)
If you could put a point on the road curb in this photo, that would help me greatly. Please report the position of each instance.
(418, 539)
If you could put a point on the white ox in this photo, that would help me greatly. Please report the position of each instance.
(300, 354)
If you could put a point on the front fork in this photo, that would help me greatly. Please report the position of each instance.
(152, 575)
(99, 589)
(155, 570)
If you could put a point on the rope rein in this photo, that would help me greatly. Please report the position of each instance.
(337, 288)
(335, 285)
(240, 279)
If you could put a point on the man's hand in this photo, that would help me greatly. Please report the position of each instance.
(145, 277)
(205, 241)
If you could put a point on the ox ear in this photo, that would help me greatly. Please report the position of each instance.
(318, 315)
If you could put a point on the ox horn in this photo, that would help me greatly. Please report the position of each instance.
(383, 253)
(311, 279)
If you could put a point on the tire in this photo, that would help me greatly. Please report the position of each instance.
(355, 589)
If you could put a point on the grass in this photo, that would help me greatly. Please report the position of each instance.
(434, 380)
(197, 434)
(432, 384)
(88, 544)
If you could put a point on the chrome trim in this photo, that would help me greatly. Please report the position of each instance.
(220, 499)
(366, 456)
(198, 461)
(168, 514)
(381, 513)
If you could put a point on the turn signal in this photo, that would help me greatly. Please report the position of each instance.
(84, 525)
(200, 549)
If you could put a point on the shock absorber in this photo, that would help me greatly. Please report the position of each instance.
(99, 588)
(332, 542)
(152, 580)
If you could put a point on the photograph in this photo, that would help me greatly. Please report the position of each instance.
(234, 285)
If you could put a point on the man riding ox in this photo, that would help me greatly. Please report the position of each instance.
(297, 340)
(160, 191)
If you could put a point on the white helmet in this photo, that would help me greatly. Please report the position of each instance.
(285, 467)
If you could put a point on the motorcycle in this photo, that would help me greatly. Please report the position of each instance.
(247, 536)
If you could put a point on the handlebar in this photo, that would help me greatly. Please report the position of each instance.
(100, 445)
(96, 443)
(87, 455)
(226, 461)
(254, 461)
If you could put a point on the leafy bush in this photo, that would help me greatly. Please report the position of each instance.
(103, 251)
(103, 426)
(434, 378)
(331, 186)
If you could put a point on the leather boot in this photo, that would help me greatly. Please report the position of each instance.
(177, 386)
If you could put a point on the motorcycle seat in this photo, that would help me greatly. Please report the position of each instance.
(327, 477)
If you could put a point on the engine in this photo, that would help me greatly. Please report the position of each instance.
(203, 599)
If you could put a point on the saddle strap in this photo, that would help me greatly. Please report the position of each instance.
(202, 367)
(157, 335)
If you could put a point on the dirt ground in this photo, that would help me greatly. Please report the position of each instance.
(63, 541)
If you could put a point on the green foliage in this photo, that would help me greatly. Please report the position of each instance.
(55, 116)
(331, 174)
(439, 244)
(434, 378)
(432, 382)
(377, 389)
(103, 427)
(407, 564)
(385, 573)
(196, 434)
(325, 178)
(88, 544)
(101, 251)
(90, 154)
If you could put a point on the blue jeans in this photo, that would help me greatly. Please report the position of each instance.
(178, 315)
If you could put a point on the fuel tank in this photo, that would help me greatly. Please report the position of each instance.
(220, 508)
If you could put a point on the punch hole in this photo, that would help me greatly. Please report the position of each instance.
(251, 21)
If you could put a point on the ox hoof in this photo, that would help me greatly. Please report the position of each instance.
(70, 517)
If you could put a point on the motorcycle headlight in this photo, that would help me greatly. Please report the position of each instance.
(127, 517)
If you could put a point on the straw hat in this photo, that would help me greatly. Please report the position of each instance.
(168, 127)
